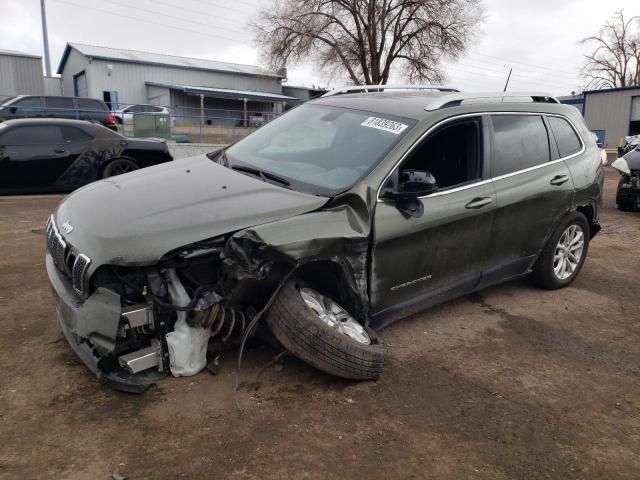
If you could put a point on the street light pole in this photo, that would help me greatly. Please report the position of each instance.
(45, 37)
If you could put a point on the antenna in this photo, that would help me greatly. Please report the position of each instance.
(508, 78)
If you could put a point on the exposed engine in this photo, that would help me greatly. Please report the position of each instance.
(173, 317)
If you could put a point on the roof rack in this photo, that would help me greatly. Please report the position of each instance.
(457, 99)
(382, 88)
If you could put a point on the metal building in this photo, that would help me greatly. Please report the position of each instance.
(184, 84)
(20, 74)
(613, 114)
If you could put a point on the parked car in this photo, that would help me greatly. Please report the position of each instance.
(124, 114)
(628, 193)
(29, 106)
(322, 227)
(54, 155)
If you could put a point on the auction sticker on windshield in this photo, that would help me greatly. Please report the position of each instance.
(384, 124)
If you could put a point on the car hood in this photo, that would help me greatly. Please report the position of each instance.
(135, 219)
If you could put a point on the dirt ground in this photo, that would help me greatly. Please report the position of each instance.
(513, 382)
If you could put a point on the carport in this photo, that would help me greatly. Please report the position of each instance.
(242, 102)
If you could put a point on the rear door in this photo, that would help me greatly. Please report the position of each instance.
(32, 157)
(534, 190)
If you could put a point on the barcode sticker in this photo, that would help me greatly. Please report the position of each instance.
(384, 124)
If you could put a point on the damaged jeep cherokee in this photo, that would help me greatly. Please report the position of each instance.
(322, 227)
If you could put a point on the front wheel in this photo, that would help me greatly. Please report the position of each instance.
(564, 254)
(623, 199)
(314, 328)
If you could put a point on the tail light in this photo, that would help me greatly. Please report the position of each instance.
(111, 118)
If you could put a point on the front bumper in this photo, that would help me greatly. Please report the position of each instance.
(91, 327)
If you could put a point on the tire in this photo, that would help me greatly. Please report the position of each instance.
(119, 166)
(623, 200)
(301, 331)
(544, 273)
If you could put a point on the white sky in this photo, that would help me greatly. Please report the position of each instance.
(538, 38)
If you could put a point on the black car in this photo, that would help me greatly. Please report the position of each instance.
(54, 155)
(73, 108)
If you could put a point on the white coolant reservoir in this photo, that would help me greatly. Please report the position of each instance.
(187, 345)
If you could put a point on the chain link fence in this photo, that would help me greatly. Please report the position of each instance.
(180, 124)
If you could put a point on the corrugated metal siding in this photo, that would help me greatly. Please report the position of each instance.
(52, 86)
(610, 111)
(76, 63)
(128, 79)
(21, 75)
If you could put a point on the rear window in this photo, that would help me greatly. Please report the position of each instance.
(75, 135)
(36, 135)
(519, 142)
(89, 104)
(566, 137)
(59, 102)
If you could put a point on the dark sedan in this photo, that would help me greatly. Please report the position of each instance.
(50, 155)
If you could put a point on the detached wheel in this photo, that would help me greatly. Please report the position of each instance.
(119, 166)
(564, 254)
(317, 330)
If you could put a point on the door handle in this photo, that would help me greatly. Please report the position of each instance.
(60, 150)
(477, 203)
(559, 180)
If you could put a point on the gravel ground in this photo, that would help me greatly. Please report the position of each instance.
(513, 382)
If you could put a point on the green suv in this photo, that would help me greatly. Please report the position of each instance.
(321, 228)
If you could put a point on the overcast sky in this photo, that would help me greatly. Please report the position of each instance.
(538, 38)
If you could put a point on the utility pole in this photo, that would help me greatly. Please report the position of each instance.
(45, 37)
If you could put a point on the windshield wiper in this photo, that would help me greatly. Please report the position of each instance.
(262, 174)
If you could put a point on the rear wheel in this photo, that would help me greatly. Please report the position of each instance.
(119, 166)
(564, 254)
(314, 328)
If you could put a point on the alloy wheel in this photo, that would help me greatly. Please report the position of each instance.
(334, 315)
(568, 253)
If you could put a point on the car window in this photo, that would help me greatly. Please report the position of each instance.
(157, 109)
(566, 137)
(30, 102)
(451, 154)
(75, 135)
(59, 102)
(89, 104)
(36, 135)
(519, 142)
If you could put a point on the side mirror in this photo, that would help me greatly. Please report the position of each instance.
(13, 110)
(414, 184)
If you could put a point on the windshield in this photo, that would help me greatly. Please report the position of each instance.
(320, 149)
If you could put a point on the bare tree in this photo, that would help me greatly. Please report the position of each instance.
(367, 38)
(615, 62)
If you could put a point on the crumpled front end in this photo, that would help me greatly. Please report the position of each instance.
(628, 194)
(132, 324)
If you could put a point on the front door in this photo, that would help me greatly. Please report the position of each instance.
(418, 261)
(32, 157)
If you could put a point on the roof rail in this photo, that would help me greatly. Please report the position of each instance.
(457, 99)
(382, 88)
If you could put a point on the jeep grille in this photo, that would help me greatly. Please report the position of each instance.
(74, 265)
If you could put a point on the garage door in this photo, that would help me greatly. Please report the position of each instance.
(635, 109)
